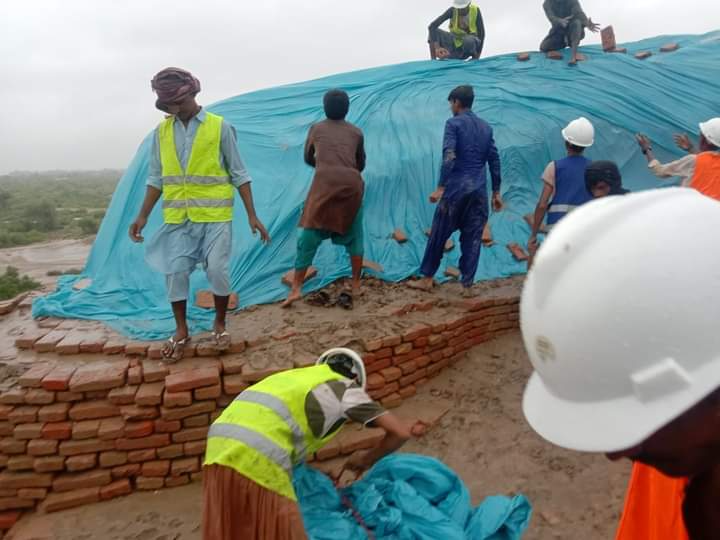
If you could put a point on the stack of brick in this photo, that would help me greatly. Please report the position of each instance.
(73, 433)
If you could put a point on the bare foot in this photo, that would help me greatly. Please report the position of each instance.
(425, 284)
(294, 297)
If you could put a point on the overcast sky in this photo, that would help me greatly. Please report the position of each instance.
(75, 74)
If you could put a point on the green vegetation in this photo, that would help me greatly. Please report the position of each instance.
(35, 207)
(12, 283)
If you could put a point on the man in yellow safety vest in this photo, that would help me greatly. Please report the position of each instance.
(466, 36)
(195, 166)
(273, 426)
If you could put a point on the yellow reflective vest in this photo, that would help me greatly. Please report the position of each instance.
(265, 432)
(202, 193)
(458, 32)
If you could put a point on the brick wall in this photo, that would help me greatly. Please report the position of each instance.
(76, 433)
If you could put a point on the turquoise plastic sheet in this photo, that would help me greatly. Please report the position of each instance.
(402, 110)
(407, 497)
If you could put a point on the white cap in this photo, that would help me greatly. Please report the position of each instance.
(619, 317)
(461, 4)
(711, 131)
(358, 366)
(580, 132)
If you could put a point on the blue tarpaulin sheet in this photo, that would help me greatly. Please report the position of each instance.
(402, 110)
(407, 497)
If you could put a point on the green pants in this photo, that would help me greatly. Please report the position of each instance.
(309, 241)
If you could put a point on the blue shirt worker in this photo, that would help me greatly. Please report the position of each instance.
(196, 168)
(462, 199)
(564, 187)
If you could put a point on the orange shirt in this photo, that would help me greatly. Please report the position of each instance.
(707, 174)
(653, 507)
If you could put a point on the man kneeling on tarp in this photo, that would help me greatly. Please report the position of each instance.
(273, 426)
(466, 36)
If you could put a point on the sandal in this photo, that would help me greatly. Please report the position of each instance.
(319, 299)
(222, 340)
(345, 300)
(176, 350)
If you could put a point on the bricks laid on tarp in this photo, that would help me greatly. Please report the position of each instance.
(607, 35)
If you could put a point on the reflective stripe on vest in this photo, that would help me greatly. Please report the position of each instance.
(273, 432)
(458, 32)
(707, 174)
(564, 208)
(201, 193)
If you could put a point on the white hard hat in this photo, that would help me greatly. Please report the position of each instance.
(711, 131)
(461, 4)
(355, 364)
(619, 316)
(580, 132)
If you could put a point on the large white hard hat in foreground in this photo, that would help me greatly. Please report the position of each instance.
(350, 360)
(620, 316)
(711, 130)
(580, 132)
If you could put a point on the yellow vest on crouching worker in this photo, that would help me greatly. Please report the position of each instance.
(202, 193)
(265, 432)
(458, 32)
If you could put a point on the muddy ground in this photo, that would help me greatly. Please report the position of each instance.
(484, 438)
(38, 259)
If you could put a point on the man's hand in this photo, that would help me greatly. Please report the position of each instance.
(683, 142)
(593, 27)
(436, 195)
(565, 21)
(442, 53)
(533, 245)
(644, 142)
(497, 202)
(136, 230)
(256, 226)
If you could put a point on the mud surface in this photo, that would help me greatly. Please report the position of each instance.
(484, 438)
(39, 259)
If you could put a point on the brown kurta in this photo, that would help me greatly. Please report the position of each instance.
(336, 149)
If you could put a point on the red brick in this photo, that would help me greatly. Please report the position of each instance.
(392, 401)
(385, 391)
(68, 397)
(57, 412)
(86, 429)
(150, 394)
(194, 434)
(113, 459)
(233, 384)
(162, 426)
(72, 499)
(197, 421)
(57, 430)
(20, 463)
(10, 445)
(184, 412)
(408, 367)
(176, 481)
(237, 346)
(407, 392)
(149, 484)
(448, 352)
(137, 348)
(154, 441)
(96, 395)
(33, 377)
(126, 471)
(232, 365)
(115, 489)
(24, 432)
(114, 346)
(92, 410)
(224, 400)
(352, 440)
(417, 331)
(136, 430)
(81, 463)
(185, 466)
(15, 503)
(155, 350)
(178, 399)
(206, 349)
(669, 47)
(125, 395)
(373, 345)
(5, 410)
(643, 55)
(156, 468)
(420, 343)
(42, 447)
(76, 448)
(70, 343)
(405, 348)
(134, 412)
(24, 414)
(111, 428)
(38, 396)
(195, 448)
(48, 342)
(145, 454)
(135, 375)
(11, 480)
(32, 493)
(6, 429)
(391, 374)
(191, 379)
(99, 376)
(196, 477)
(93, 342)
(607, 35)
(170, 452)
(392, 341)
(210, 392)
(8, 519)
(375, 381)
(13, 396)
(379, 365)
(411, 379)
(154, 372)
(48, 464)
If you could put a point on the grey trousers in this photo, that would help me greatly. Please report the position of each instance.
(472, 45)
(560, 37)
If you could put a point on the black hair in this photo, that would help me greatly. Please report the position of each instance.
(575, 148)
(604, 171)
(337, 104)
(342, 365)
(465, 95)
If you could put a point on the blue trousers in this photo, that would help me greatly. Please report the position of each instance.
(468, 214)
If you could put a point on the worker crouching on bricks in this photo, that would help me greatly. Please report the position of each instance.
(627, 360)
(273, 426)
